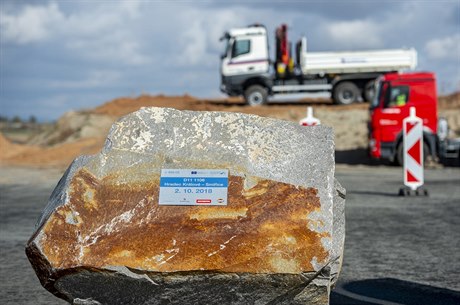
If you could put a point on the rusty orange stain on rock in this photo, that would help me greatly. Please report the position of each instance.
(220, 213)
(262, 230)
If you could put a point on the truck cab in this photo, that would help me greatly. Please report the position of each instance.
(245, 62)
(396, 94)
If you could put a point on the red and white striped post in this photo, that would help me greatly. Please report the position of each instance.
(413, 150)
(310, 120)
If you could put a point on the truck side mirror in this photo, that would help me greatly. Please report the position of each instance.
(443, 129)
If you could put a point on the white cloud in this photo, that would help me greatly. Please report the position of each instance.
(31, 24)
(354, 34)
(222, 21)
(98, 33)
(88, 24)
(104, 33)
(444, 48)
(131, 7)
(114, 47)
(194, 45)
(199, 40)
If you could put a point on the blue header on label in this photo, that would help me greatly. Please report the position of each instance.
(193, 182)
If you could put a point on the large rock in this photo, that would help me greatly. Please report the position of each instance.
(104, 239)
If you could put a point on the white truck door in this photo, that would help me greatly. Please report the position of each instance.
(247, 55)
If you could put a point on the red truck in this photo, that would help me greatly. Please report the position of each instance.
(396, 93)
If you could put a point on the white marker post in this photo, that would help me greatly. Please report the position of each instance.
(413, 152)
(310, 120)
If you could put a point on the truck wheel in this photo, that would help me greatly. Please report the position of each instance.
(399, 160)
(256, 95)
(346, 93)
(369, 91)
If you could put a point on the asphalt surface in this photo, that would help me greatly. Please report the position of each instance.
(398, 250)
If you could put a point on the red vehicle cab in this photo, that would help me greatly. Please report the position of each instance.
(396, 93)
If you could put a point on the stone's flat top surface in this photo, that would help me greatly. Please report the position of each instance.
(259, 146)
(108, 222)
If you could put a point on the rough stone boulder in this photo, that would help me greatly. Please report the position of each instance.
(104, 239)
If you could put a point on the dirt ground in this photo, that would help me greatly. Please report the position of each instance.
(84, 131)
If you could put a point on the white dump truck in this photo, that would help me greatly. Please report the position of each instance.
(246, 68)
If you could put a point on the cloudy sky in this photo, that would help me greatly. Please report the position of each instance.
(62, 55)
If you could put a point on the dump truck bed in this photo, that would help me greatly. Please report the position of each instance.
(358, 62)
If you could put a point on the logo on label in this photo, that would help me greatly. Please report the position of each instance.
(203, 201)
(220, 200)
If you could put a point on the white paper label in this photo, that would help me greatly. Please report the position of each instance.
(193, 187)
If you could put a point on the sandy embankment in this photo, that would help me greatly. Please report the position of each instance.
(83, 132)
(39, 156)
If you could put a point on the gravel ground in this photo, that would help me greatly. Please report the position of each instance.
(23, 195)
(398, 250)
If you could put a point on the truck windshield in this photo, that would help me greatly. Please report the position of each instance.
(397, 96)
(382, 89)
(226, 48)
